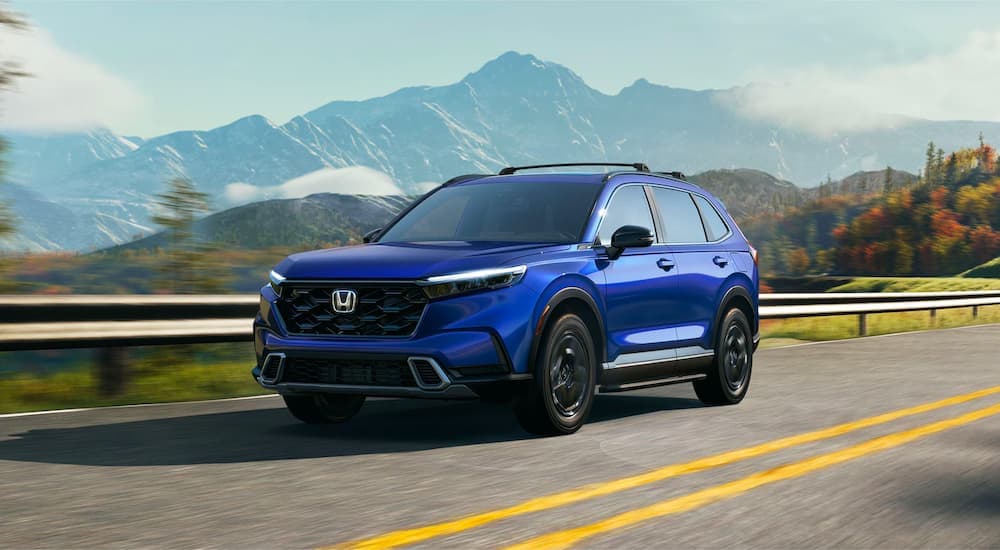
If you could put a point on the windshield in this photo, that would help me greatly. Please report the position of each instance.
(508, 212)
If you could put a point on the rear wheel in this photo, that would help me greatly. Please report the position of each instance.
(324, 408)
(729, 376)
(562, 392)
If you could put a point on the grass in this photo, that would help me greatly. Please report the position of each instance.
(73, 388)
(776, 332)
(988, 269)
(917, 284)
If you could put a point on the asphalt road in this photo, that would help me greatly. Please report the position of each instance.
(245, 474)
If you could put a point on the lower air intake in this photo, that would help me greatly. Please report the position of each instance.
(427, 373)
(271, 369)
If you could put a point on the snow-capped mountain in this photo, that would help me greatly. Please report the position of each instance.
(515, 109)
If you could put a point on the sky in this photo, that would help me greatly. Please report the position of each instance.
(146, 67)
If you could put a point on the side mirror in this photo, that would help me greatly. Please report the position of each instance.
(629, 236)
(371, 235)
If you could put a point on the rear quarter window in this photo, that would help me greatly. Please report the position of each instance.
(715, 226)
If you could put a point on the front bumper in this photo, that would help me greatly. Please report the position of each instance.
(475, 339)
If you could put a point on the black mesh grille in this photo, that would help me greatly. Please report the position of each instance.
(355, 372)
(270, 369)
(428, 376)
(382, 310)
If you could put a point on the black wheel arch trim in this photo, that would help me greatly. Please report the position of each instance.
(567, 293)
(733, 292)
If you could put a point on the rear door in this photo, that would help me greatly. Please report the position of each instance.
(702, 266)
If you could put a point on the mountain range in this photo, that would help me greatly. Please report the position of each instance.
(94, 189)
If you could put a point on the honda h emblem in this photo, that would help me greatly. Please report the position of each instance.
(345, 301)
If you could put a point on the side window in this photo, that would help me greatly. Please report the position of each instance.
(628, 207)
(681, 221)
(714, 223)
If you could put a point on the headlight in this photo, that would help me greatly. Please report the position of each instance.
(469, 281)
(275, 279)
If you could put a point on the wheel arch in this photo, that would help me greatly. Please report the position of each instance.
(579, 301)
(736, 296)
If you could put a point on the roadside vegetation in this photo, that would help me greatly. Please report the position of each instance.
(917, 284)
(161, 376)
(32, 381)
(782, 332)
(942, 223)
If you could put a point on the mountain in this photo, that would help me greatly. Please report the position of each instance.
(873, 181)
(516, 109)
(747, 192)
(323, 219)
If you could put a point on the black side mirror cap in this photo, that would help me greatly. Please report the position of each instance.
(629, 236)
(371, 235)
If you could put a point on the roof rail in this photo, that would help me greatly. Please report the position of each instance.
(674, 174)
(639, 166)
(463, 177)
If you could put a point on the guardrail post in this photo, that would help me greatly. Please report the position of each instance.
(975, 312)
(862, 324)
(112, 371)
(933, 316)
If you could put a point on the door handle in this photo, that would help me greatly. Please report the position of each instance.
(720, 261)
(665, 264)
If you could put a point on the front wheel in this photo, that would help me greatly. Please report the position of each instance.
(562, 392)
(729, 376)
(324, 408)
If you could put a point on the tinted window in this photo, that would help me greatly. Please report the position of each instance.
(628, 207)
(508, 212)
(681, 221)
(714, 223)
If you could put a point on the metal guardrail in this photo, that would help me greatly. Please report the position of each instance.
(91, 321)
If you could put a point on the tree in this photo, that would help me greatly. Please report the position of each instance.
(887, 184)
(9, 72)
(929, 164)
(187, 267)
(797, 261)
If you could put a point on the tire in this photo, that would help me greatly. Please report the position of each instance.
(324, 408)
(729, 376)
(567, 361)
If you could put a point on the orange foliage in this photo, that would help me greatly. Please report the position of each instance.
(945, 223)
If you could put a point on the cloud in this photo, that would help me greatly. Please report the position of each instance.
(65, 91)
(957, 85)
(353, 180)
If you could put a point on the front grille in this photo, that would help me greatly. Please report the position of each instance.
(355, 372)
(381, 310)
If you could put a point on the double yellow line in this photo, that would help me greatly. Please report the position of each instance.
(568, 537)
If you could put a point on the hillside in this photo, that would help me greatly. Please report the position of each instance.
(516, 109)
(748, 192)
(942, 224)
(328, 218)
(318, 220)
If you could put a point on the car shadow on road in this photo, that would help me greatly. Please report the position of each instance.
(384, 426)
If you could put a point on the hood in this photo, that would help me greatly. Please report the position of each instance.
(389, 261)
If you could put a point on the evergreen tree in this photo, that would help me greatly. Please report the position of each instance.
(929, 163)
(188, 267)
(887, 183)
(9, 72)
(939, 167)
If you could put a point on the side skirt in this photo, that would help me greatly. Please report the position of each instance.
(651, 369)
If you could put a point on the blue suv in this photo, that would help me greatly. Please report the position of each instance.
(541, 288)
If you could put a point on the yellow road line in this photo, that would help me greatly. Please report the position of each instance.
(417, 534)
(565, 539)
